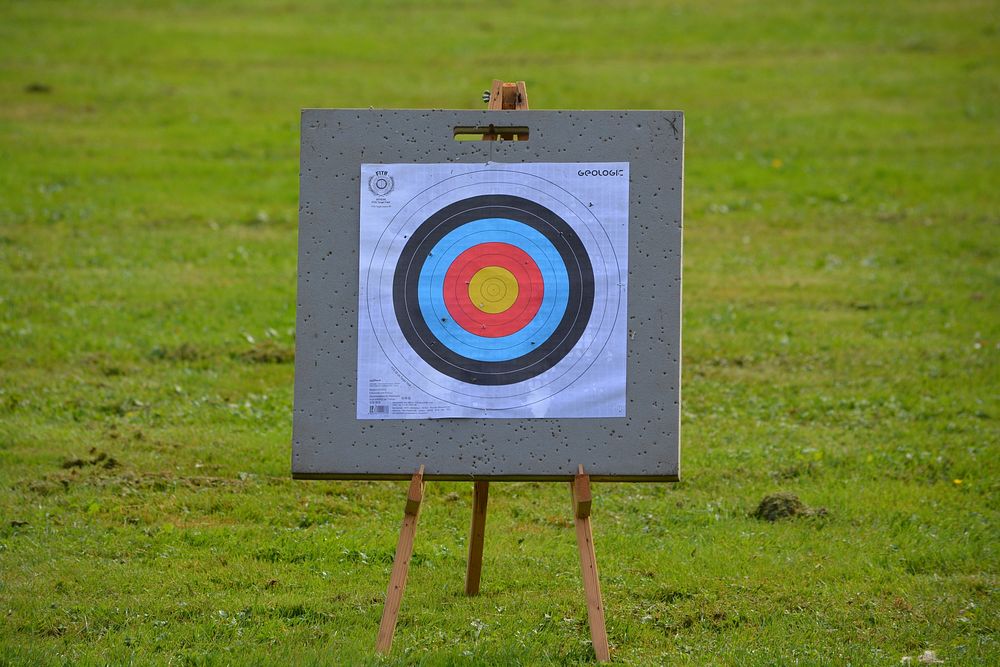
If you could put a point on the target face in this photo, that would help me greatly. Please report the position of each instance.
(493, 292)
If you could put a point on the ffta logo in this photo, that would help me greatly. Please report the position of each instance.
(381, 183)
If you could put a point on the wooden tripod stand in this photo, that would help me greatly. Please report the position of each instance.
(502, 96)
(581, 498)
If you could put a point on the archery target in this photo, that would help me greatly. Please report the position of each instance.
(493, 290)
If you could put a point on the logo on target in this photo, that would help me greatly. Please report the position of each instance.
(381, 183)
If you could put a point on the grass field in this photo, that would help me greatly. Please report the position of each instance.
(841, 339)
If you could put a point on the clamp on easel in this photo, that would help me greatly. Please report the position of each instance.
(501, 96)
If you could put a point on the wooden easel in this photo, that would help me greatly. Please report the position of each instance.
(501, 96)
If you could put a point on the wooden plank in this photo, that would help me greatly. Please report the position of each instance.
(415, 493)
(582, 497)
(401, 563)
(521, 104)
(495, 104)
(522, 95)
(579, 490)
(477, 533)
(496, 99)
(509, 94)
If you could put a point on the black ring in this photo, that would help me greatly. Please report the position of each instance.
(549, 352)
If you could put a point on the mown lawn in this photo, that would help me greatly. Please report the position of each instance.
(841, 338)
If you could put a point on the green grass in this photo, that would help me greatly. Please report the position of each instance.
(841, 339)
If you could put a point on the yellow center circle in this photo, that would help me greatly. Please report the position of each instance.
(493, 289)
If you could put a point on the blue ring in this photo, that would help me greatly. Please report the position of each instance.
(430, 289)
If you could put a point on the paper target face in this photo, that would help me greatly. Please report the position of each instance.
(493, 291)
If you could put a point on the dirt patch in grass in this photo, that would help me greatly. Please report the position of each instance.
(97, 475)
(784, 505)
(105, 364)
(268, 352)
(97, 458)
(183, 352)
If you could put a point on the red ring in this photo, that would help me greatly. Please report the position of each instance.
(530, 285)
(460, 289)
(491, 325)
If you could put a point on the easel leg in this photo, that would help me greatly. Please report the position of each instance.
(401, 563)
(480, 496)
(580, 491)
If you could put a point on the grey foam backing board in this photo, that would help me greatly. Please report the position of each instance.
(329, 442)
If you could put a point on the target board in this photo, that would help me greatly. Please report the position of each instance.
(493, 290)
(489, 309)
